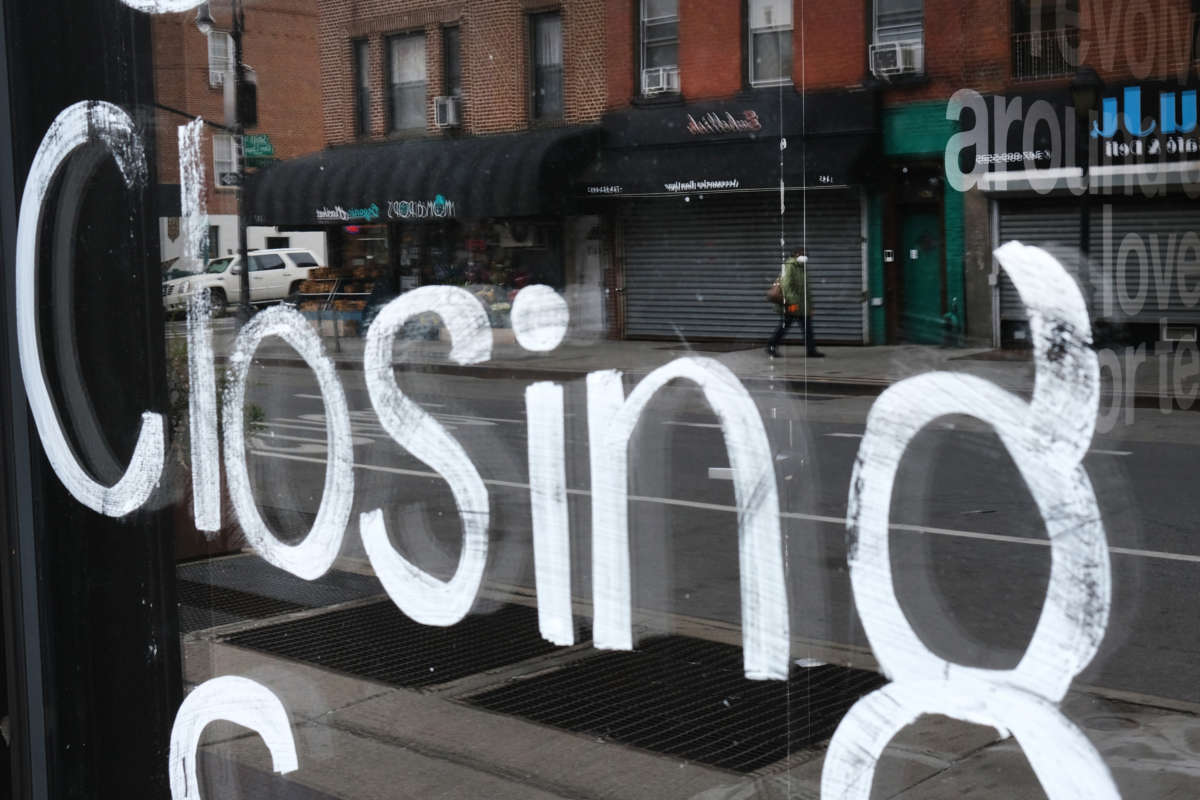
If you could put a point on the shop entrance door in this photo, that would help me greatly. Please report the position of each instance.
(921, 278)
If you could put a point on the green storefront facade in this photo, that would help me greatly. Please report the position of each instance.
(915, 235)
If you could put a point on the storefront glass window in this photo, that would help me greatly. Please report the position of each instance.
(532, 399)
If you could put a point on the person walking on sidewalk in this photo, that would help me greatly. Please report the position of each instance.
(797, 304)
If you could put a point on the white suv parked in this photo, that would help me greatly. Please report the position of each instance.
(274, 276)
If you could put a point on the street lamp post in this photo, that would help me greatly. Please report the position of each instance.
(204, 22)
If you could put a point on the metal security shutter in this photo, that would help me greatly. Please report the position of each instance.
(702, 268)
(1051, 226)
(1161, 255)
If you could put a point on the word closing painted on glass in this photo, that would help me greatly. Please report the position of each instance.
(1046, 436)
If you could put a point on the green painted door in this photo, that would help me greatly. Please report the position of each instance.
(921, 259)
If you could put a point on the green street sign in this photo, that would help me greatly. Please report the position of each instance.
(257, 145)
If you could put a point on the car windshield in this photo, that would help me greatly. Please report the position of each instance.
(218, 265)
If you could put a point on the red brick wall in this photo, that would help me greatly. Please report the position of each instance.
(829, 45)
(280, 42)
(495, 66)
(710, 48)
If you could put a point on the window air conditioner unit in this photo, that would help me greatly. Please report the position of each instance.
(897, 58)
(447, 111)
(216, 78)
(659, 80)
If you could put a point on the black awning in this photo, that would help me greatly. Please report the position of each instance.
(505, 175)
(826, 161)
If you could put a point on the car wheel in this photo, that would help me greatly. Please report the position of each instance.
(218, 303)
(293, 295)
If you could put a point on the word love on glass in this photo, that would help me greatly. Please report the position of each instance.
(1047, 437)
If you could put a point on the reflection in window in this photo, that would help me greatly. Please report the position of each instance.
(220, 57)
(660, 46)
(899, 21)
(406, 81)
(770, 42)
(547, 60)
(224, 160)
(452, 60)
(362, 88)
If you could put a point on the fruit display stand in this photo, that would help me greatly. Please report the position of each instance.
(336, 298)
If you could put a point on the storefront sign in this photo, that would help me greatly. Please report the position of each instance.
(339, 214)
(257, 145)
(702, 185)
(437, 208)
(1172, 128)
(714, 123)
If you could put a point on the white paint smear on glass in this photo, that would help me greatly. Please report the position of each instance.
(314, 555)
(1047, 439)
(548, 505)
(417, 593)
(72, 129)
(611, 422)
(232, 699)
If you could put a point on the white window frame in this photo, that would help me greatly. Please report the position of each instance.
(643, 46)
(219, 65)
(423, 82)
(223, 143)
(753, 30)
(896, 33)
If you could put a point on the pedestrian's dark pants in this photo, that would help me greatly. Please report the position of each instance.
(786, 321)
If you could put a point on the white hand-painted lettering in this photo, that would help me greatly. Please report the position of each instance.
(418, 594)
(206, 451)
(548, 505)
(611, 422)
(312, 557)
(232, 699)
(539, 318)
(1047, 439)
(75, 127)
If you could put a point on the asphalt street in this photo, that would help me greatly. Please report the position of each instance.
(969, 553)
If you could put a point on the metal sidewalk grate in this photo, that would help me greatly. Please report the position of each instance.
(244, 605)
(250, 573)
(688, 698)
(377, 641)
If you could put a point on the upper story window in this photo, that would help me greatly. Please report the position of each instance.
(362, 87)
(546, 44)
(406, 81)
(659, 34)
(220, 57)
(898, 38)
(770, 42)
(452, 60)
(1045, 38)
(224, 160)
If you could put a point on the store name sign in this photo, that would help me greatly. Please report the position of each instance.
(339, 214)
(714, 123)
(706, 184)
(1176, 118)
(437, 208)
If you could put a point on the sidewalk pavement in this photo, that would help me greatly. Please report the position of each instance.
(360, 740)
(1164, 379)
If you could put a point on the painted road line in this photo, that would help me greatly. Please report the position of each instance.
(720, 473)
(844, 435)
(835, 521)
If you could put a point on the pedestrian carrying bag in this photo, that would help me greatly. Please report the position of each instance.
(775, 294)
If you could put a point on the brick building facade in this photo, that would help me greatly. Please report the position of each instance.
(1016, 49)
(280, 44)
(495, 61)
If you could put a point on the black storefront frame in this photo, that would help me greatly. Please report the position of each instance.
(100, 728)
